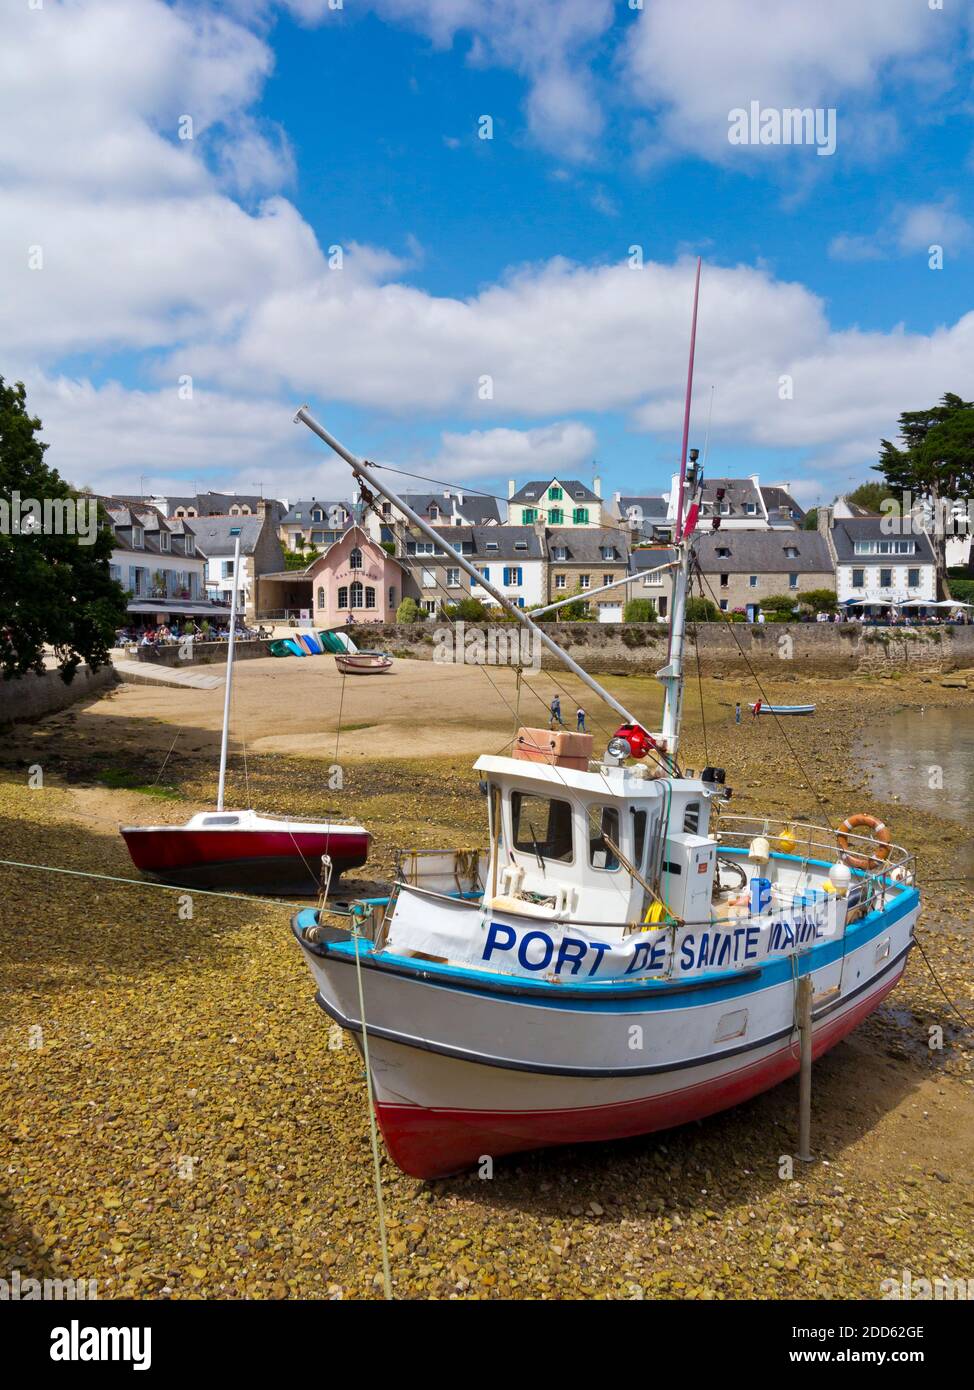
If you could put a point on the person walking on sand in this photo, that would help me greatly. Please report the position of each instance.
(554, 712)
(580, 720)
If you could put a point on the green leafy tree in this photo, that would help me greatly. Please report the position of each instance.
(780, 603)
(811, 520)
(299, 559)
(934, 461)
(702, 610)
(578, 611)
(871, 496)
(54, 590)
(409, 611)
(639, 610)
(820, 600)
(468, 610)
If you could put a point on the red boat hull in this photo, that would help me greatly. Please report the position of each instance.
(259, 860)
(428, 1143)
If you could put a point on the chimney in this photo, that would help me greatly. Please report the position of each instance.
(597, 486)
(617, 497)
(511, 488)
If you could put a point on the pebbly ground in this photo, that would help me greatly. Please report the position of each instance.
(178, 1120)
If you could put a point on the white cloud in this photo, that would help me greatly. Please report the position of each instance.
(692, 70)
(525, 453)
(911, 228)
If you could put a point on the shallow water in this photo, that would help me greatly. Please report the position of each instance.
(925, 760)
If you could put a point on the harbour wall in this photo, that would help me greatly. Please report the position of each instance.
(830, 649)
(32, 696)
(201, 653)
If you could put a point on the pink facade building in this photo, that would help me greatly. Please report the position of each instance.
(355, 576)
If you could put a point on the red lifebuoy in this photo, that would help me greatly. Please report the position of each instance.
(880, 835)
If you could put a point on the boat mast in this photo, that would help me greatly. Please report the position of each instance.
(366, 473)
(672, 673)
(235, 531)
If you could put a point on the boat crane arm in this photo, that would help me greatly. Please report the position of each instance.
(366, 473)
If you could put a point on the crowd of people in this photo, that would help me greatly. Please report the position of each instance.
(164, 635)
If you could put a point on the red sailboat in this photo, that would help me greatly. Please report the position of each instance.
(244, 850)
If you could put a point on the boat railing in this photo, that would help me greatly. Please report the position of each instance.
(809, 843)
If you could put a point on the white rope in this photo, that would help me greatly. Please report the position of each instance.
(383, 1238)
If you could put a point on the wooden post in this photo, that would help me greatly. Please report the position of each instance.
(804, 1020)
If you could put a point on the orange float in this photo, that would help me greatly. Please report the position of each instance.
(880, 835)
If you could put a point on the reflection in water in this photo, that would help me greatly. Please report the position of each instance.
(925, 758)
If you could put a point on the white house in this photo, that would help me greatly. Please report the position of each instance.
(157, 562)
(874, 568)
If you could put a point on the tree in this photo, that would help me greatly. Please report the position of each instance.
(811, 520)
(468, 610)
(55, 585)
(820, 600)
(702, 610)
(299, 559)
(639, 610)
(577, 611)
(871, 496)
(780, 603)
(935, 464)
(409, 611)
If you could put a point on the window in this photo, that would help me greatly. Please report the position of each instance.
(355, 558)
(429, 605)
(428, 579)
(559, 581)
(227, 569)
(603, 821)
(317, 514)
(392, 597)
(638, 837)
(355, 594)
(512, 575)
(486, 573)
(321, 596)
(434, 512)
(607, 552)
(560, 552)
(885, 579)
(858, 579)
(791, 552)
(661, 606)
(723, 605)
(542, 826)
(584, 581)
(607, 578)
(554, 494)
(724, 580)
(885, 547)
(750, 508)
(520, 545)
(165, 541)
(580, 517)
(491, 545)
(556, 516)
(913, 579)
(529, 516)
(793, 581)
(691, 819)
(343, 596)
(370, 597)
(723, 551)
(452, 579)
(189, 544)
(752, 580)
(138, 538)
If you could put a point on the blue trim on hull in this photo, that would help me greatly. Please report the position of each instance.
(643, 996)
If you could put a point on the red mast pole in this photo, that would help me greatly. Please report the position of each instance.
(686, 409)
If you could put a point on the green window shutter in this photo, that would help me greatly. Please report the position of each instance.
(580, 516)
(556, 516)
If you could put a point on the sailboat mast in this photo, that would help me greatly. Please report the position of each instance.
(366, 473)
(672, 674)
(235, 531)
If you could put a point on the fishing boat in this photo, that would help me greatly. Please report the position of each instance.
(245, 850)
(363, 663)
(759, 707)
(621, 954)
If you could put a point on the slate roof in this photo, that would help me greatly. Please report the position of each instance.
(299, 513)
(846, 531)
(475, 509)
(574, 491)
(506, 539)
(737, 493)
(584, 544)
(763, 552)
(213, 533)
(777, 497)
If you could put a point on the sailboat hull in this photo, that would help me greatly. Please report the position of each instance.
(462, 1073)
(272, 861)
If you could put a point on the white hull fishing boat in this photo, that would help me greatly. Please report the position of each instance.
(621, 956)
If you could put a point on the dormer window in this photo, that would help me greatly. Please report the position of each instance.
(189, 544)
(791, 552)
(554, 494)
(491, 545)
(520, 545)
(317, 515)
(138, 538)
(723, 551)
(165, 543)
(607, 552)
(434, 512)
(560, 552)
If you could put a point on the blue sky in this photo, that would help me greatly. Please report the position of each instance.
(167, 261)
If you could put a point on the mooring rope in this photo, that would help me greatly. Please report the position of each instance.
(148, 883)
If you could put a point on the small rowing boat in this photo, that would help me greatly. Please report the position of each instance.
(363, 663)
(759, 707)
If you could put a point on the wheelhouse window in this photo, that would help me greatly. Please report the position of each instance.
(542, 825)
(638, 837)
(691, 819)
(603, 826)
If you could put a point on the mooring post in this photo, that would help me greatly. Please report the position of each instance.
(804, 1020)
